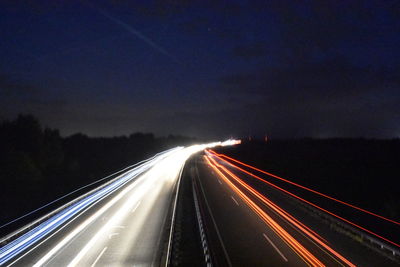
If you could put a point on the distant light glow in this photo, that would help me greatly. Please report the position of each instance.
(231, 142)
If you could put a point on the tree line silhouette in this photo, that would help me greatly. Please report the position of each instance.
(38, 165)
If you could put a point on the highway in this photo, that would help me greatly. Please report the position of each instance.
(248, 228)
(120, 224)
(242, 221)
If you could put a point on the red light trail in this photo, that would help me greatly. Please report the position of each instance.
(307, 231)
(306, 201)
(285, 236)
(303, 187)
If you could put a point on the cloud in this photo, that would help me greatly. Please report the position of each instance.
(316, 87)
(251, 51)
(328, 26)
(10, 87)
(331, 78)
(37, 7)
(20, 96)
(327, 98)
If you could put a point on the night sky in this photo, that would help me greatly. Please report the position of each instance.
(204, 69)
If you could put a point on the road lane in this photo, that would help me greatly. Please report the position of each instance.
(242, 232)
(126, 227)
(352, 251)
(130, 225)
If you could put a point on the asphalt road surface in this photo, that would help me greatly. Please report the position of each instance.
(246, 231)
(127, 222)
(127, 227)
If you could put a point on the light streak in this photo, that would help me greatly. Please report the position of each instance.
(306, 188)
(82, 226)
(33, 236)
(310, 203)
(172, 159)
(138, 34)
(83, 187)
(310, 233)
(132, 201)
(231, 142)
(292, 242)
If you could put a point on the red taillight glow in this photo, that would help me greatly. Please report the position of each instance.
(290, 219)
(285, 236)
(306, 201)
(303, 187)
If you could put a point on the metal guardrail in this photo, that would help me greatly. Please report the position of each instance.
(204, 244)
(373, 242)
(6, 239)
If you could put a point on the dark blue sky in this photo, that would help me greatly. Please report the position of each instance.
(206, 69)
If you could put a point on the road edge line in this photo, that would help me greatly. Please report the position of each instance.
(171, 232)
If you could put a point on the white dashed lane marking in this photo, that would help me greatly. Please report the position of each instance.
(98, 257)
(273, 245)
(235, 200)
(137, 205)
